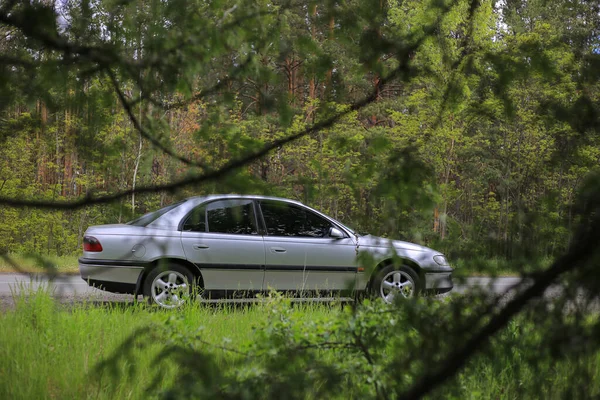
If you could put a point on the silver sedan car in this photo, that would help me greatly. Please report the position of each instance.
(223, 244)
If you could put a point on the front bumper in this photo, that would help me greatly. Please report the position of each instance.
(438, 282)
(109, 275)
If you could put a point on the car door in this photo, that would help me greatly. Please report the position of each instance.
(300, 254)
(222, 239)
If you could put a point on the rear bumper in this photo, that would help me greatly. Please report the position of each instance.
(112, 276)
(438, 282)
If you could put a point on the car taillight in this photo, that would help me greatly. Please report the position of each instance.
(90, 243)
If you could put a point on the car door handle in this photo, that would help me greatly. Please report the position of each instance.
(278, 250)
(200, 246)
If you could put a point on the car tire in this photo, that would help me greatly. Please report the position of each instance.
(392, 281)
(169, 286)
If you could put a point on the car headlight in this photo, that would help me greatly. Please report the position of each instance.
(440, 260)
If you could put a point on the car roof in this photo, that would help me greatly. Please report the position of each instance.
(242, 196)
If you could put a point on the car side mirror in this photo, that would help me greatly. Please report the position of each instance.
(335, 233)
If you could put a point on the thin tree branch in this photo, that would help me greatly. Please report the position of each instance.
(456, 66)
(127, 106)
(8, 5)
(10, 60)
(402, 71)
(54, 41)
(215, 88)
(209, 176)
(584, 247)
(381, 393)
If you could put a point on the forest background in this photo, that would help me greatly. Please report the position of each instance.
(470, 126)
(462, 125)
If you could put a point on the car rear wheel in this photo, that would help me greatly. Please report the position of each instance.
(392, 282)
(169, 287)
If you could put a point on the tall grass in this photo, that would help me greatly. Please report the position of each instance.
(49, 350)
(53, 351)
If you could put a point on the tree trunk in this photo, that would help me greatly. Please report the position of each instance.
(313, 35)
(137, 163)
(329, 79)
(135, 171)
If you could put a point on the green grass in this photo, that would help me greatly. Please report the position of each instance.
(34, 263)
(48, 350)
(53, 351)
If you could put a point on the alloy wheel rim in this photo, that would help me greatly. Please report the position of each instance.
(170, 289)
(396, 283)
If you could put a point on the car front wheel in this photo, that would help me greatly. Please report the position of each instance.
(169, 287)
(392, 282)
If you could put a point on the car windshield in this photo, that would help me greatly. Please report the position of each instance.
(145, 219)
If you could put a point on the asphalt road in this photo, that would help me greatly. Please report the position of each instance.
(66, 288)
(72, 289)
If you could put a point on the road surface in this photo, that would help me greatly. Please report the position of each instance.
(71, 288)
(66, 288)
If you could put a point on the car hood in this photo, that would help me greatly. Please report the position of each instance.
(374, 241)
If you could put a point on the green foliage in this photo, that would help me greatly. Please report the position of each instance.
(465, 125)
(498, 101)
(275, 349)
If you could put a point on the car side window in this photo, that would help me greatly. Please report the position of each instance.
(231, 216)
(283, 219)
(196, 221)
